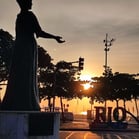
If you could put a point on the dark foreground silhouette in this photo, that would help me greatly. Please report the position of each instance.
(22, 91)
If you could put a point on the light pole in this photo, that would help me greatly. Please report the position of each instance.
(107, 43)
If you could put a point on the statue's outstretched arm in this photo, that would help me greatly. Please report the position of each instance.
(50, 36)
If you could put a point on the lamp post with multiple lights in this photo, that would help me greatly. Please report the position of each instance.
(108, 44)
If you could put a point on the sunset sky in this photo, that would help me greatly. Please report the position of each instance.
(84, 24)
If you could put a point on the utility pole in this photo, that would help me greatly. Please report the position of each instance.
(108, 44)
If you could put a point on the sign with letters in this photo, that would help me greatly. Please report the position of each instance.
(107, 114)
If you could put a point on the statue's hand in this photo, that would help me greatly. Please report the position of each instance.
(59, 39)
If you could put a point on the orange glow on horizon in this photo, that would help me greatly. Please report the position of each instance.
(83, 113)
(86, 77)
(86, 86)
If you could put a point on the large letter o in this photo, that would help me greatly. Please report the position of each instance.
(116, 115)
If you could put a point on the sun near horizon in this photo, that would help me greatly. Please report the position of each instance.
(88, 78)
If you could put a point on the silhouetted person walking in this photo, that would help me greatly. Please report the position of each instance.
(22, 90)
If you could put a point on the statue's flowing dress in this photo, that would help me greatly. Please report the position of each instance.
(22, 91)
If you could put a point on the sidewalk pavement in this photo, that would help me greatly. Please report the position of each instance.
(74, 125)
(84, 126)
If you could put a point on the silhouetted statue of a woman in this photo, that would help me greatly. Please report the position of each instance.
(22, 91)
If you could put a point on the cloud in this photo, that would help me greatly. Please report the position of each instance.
(87, 20)
(83, 24)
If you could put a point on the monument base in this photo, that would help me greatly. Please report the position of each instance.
(29, 125)
(108, 125)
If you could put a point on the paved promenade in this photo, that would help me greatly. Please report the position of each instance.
(84, 126)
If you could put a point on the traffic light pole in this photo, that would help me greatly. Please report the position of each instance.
(80, 62)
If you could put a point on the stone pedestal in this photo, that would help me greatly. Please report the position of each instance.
(29, 125)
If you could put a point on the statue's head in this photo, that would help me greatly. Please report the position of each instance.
(25, 4)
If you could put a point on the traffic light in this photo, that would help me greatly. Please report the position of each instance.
(81, 63)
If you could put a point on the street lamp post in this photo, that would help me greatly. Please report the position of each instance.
(107, 43)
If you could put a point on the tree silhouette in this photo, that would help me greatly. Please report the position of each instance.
(122, 86)
(6, 46)
(46, 82)
(43, 57)
(119, 86)
(59, 80)
(135, 91)
(101, 89)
